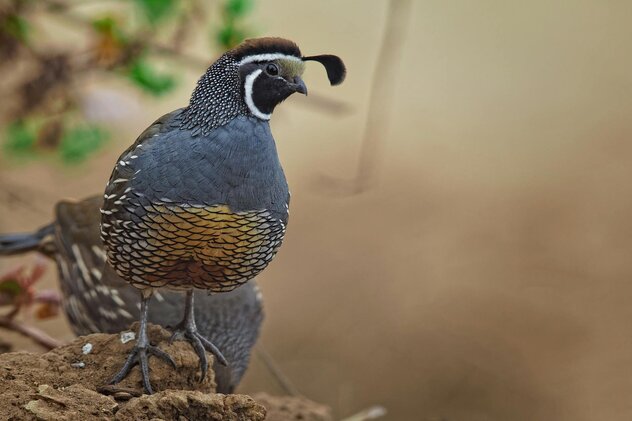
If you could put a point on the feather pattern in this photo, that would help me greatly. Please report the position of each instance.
(206, 211)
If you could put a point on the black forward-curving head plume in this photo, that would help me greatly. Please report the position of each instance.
(334, 66)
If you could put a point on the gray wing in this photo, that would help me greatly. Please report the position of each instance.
(95, 298)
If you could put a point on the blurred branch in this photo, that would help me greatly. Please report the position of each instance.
(380, 101)
(382, 93)
(17, 291)
(285, 383)
(371, 413)
(31, 332)
(143, 41)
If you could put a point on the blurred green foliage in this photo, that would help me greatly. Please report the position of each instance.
(17, 27)
(149, 79)
(108, 27)
(233, 29)
(20, 137)
(10, 287)
(31, 138)
(155, 10)
(123, 46)
(79, 142)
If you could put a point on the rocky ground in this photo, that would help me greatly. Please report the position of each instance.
(69, 383)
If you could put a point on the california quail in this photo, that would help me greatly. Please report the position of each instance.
(98, 300)
(200, 199)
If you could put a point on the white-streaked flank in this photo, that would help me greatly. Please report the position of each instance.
(250, 80)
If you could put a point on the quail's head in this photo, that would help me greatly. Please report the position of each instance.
(257, 75)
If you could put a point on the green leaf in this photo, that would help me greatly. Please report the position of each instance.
(108, 26)
(237, 8)
(104, 25)
(79, 142)
(146, 77)
(229, 36)
(11, 287)
(16, 26)
(232, 31)
(20, 137)
(155, 9)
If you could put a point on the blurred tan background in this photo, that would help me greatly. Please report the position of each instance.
(486, 274)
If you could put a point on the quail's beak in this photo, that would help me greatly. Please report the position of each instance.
(299, 85)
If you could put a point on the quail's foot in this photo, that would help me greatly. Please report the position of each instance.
(139, 355)
(142, 350)
(186, 330)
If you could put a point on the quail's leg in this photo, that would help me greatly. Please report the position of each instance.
(142, 349)
(187, 329)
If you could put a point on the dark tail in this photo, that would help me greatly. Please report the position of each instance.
(21, 243)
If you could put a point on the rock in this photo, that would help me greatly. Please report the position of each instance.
(282, 408)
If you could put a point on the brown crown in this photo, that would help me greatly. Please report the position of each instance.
(265, 46)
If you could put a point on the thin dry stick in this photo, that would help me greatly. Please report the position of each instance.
(276, 372)
(34, 333)
(371, 413)
(381, 94)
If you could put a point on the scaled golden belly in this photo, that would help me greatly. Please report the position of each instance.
(207, 247)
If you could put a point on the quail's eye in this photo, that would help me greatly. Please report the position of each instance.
(272, 69)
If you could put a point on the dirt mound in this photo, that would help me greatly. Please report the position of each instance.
(64, 384)
(92, 360)
(70, 383)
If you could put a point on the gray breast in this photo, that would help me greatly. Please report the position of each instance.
(236, 164)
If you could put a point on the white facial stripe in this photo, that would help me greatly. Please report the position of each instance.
(250, 80)
(267, 57)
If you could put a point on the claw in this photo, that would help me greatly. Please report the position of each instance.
(144, 368)
(154, 350)
(199, 350)
(138, 355)
(209, 346)
(200, 345)
(176, 335)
